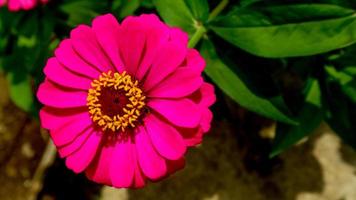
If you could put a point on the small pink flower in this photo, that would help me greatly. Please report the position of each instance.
(16, 5)
(124, 101)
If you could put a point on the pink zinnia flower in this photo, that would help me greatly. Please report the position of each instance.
(124, 101)
(16, 5)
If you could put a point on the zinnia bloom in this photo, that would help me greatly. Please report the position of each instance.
(16, 5)
(124, 101)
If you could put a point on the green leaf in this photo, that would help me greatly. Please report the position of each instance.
(199, 9)
(176, 13)
(81, 11)
(27, 42)
(123, 8)
(233, 86)
(351, 70)
(147, 4)
(340, 76)
(28, 25)
(345, 78)
(3, 43)
(288, 31)
(21, 91)
(245, 3)
(349, 90)
(9, 20)
(313, 96)
(342, 114)
(310, 117)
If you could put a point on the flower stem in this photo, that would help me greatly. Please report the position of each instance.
(201, 30)
(217, 10)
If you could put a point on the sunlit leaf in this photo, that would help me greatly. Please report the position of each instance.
(342, 77)
(176, 13)
(288, 31)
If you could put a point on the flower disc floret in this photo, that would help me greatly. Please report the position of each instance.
(115, 101)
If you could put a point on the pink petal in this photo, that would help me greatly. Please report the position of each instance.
(205, 96)
(195, 61)
(208, 94)
(60, 75)
(2, 2)
(122, 166)
(80, 160)
(52, 118)
(28, 4)
(72, 129)
(14, 5)
(106, 29)
(180, 112)
(132, 42)
(166, 139)
(178, 35)
(98, 170)
(56, 96)
(170, 57)
(207, 117)
(139, 179)
(72, 61)
(68, 149)
(181, 83)
(175, 165)
(86, 45)
(191, 136)
(156, 34)
(152, 164)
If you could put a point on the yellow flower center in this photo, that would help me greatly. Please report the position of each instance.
(115, 101)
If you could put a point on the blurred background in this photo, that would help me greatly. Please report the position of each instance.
(284, 123)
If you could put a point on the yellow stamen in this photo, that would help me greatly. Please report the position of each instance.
(131, 111)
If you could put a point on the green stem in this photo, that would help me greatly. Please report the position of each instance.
(217, 10)
(201, 30)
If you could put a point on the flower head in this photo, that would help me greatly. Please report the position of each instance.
(16, 5)
(123, 101)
